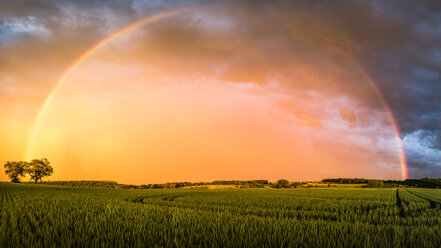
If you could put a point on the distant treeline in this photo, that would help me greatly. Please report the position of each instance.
(345, 180)
(415, 183)
(418, 183)
(282, 183)
(115, 185)
(100, 184)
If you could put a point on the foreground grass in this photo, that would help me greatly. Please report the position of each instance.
(52, 216)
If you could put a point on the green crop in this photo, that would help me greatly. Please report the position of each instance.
(56, 216)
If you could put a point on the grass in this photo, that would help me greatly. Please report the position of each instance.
(56, 216)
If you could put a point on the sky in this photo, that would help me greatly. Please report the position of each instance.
(222, 90)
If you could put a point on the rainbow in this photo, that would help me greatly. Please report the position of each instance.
(153, 18)
(84, 56)
(392, 121)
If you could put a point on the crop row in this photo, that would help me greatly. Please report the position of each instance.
(52, 216)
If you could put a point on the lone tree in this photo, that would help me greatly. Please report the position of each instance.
(15, 170)
(39, 168)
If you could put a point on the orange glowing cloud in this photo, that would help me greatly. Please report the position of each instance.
(188, 98)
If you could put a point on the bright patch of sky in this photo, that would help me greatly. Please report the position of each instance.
(13, 29)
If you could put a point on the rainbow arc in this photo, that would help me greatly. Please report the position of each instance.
(151, 19)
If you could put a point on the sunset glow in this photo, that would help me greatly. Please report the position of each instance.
(200, 93)
(220, 123)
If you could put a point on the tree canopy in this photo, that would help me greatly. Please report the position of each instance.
(39, 168)
(15, 170)
(36, 169)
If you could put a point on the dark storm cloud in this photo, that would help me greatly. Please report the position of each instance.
(408, 72)
(397, 42)
(423, 153)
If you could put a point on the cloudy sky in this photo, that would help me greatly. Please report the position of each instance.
(210, 90)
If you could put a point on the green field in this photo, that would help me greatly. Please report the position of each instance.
(55, 216)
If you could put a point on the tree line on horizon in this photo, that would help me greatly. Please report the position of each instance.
(39, 168)
(282, 183)
(414, 183)
(170, 185)
(36, 169)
